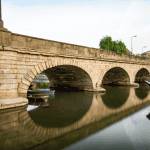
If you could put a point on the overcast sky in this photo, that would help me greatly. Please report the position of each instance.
(81, 22)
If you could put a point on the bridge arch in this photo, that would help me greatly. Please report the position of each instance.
(141, 74)
(40, 67)
(103, 72)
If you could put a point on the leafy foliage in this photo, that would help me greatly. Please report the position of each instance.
(117, 46)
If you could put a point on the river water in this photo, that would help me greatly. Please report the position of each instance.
(116, 119)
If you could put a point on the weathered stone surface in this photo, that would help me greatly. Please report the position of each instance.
(4, 86)
(23, 57)
(22, 90)
(23, 86)
(10, 81)
(12, 102)
(44, 66)
(7, 61)
(41, 67)
(12, 93)
(47, 64)
(8, 76)
(8, 66)
(28, 77)
(37, 68)
(25, 81)
(31, 74)
(2, 71)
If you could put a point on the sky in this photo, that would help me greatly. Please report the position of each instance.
(81, 22)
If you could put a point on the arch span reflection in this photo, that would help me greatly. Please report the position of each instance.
(115, 96)
(22, 125)
(142, 91)
(63, 110)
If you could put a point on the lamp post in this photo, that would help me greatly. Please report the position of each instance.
(142, 49)
(131, 43)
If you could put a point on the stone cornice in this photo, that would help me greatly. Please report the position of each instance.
(100, 58)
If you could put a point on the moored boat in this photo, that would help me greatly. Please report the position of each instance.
(44, 91)
(36, 97)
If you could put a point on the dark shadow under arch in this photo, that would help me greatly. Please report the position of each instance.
(68, 78)
(142, 75)
(116, 76)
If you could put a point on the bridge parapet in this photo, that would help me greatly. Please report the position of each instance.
(27, 44)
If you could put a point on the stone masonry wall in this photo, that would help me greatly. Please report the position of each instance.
(23, 57)
(28, 44)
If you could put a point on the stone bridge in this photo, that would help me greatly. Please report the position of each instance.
(23, 57)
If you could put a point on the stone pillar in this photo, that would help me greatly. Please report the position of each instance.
(132, 83)
(96, 88)
(1, 22)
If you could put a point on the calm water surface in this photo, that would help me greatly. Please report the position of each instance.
(80, 120)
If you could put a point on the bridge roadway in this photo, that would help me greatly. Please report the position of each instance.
(23, 57)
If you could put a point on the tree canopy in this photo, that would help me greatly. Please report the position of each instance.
(107, 44)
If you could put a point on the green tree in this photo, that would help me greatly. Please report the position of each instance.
(123, 48)
(117, 47)
(112, 46)
(107, 44)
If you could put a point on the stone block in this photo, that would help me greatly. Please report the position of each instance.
(44, 65)
(8, 93)
(8, 76)
(8, 57)
(22, 95)
(25, 67)
(50, 64)
(3, 61)
(28, 77)
(7, 71)
(22, 91)
(4, 86)
(8, 66)
(10, 81)
(22, 71)
(47, 64)
(31, 74)
(41, 67)
(37, 69)
(23, 86)
(25, 81)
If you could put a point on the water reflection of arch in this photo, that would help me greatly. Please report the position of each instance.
(116, 96)
(97, 111)
(64, 110)
(142, 91)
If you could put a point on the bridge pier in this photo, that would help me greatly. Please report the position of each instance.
(134, 85)
(96, 90)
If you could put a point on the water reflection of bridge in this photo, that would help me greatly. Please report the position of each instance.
(30, 132)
